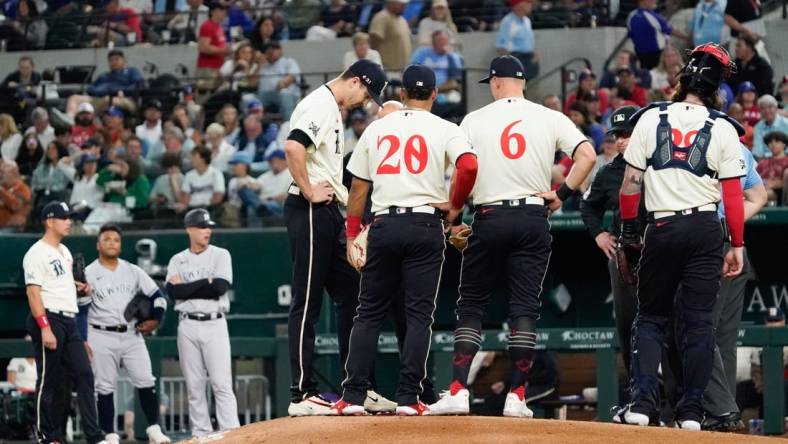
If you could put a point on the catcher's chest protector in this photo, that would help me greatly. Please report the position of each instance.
(691, 158)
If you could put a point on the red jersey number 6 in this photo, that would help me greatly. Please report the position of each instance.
(509, 138)
(415, 155)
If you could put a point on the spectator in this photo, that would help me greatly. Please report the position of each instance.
(744, 19)
(752, 67)
(770, 121)
(708, 21)
(25, 77)
(221, 150)
(29, 155)
(187, 23)
(16, 199)
(204, 185)
(41, 127)
(122, 26)
(87, 194)
(586, 83)
(262, 33)
(624, 58)
(747, 97)
(361, 50)
(337, 19)
(85, 125)
(774, 169)
(265, 195)
(242, 71)
(516, 37)
(552, 102)
(114, 125)
(30, 25)
(301, 14)
(52, 176)
(173, 142)
(228, 118)
(119, 78)
(628, 89)
(278, 84)
(164, 194)
(257, 139)
(357, 123)
(10, 139)
(670, 62)
(125, 184)
(389, 33)
(439, 20)
(212, 48)
(737, 112)
(649, 33)
(447, 66)
(149, 131)
(578, 113)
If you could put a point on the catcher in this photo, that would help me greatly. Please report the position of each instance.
(116, 339)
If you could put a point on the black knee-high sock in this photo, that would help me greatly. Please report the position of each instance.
(150, 405)
(106, 412)
(522, 341)
(467, 341)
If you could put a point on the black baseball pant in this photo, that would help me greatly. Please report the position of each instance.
(678, 251)
(66, 360)
(405, 252)
(318, 251)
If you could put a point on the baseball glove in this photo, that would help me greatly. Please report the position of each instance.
(140, 308)
(358, 252)
(78, 271)
(628, 253)
(460, 240)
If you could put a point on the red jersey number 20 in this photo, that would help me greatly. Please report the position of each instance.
(512, 143)
(414, 154)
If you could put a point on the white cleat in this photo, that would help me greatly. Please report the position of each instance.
(516, 408)
(688, 425)
(155, 435)
(452, 404)
(377, 403)
(112, 438)
(312, 406)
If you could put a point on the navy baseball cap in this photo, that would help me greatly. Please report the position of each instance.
(505, 66)
(619, 120)
(418, 77)
(372, 76)
(56, 210)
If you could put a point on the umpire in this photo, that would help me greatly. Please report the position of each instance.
(52, 295)
(683, 151)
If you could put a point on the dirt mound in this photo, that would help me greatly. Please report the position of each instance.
(456, 429)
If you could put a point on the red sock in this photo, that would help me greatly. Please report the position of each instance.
(519, 391)
(455, 387)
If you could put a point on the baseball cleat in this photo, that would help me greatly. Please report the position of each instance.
(515, 404)
(624, 415)
(314, 405)
(344, 408)
(455, 401)
(112, 438)
(155, 435)
(377, 403)
(418, 409)
(689, 424)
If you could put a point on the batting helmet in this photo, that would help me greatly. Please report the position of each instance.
(198, 217)
(709, 64)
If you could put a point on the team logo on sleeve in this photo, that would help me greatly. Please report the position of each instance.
(57, 267)
(314, 128)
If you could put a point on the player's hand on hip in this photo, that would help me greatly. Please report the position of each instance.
(88, 351)
(147, 327)
(48, 338)
(734, 262)
(322, 192)
(607, 243)
(553, 202)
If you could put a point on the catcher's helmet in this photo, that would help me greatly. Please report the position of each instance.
(198, 217)
(709, 64)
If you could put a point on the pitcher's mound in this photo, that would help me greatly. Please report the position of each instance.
(458, 429)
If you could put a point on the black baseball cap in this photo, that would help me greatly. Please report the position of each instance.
(199, 218)
(372, 76)
(418, 77)
(619, 120)
(56, 210)
(505, 66)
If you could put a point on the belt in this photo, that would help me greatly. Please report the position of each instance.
(295, 191)
(425, 209)
(67, 314)
(528, 200)
(201, 316)
(115, 328)
(700, 209)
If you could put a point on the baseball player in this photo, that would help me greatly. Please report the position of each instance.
(682, 151)
(315, 150)
(198, 279)
(404, 156)
(52, 296)
(113, 339)
(516, 141)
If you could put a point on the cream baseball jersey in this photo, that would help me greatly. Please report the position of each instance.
(516, 141)
(114, 289)
(405, 156)
(50, 268)
(674, 189)
(319, 117)
(213, 262)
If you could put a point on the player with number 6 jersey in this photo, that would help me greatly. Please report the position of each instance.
(516, 141)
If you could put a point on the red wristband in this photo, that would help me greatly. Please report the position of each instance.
(42, 321)
(353, 226)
